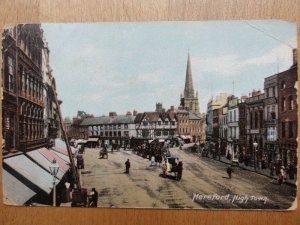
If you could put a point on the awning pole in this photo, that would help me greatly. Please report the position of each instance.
(73, 167)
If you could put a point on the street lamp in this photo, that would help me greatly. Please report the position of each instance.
(53, 171)
(255, 144)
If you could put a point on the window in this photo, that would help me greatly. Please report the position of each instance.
(10, 79)
(273, 90)
(283, 104)
(166, 122)
(267, 92)
(255, 120)
(291, 129)
(291, 103)
(234, 115)
(145, 133)
(261, 119)
(158, 132)
(125, 126)
(283, 129)
(282, 85)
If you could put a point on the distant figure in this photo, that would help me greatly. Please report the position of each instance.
(282, 175)
(179, 170)
(164, 169)
(93, 198)
(127, 166)
(229, 171)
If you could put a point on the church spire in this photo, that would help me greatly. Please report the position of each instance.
(188, 89)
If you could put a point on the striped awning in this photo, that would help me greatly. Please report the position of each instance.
(46, 162)
(34, 173)
(15, 192)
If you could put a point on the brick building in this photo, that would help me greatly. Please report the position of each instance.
(287, 112)
(255, 128)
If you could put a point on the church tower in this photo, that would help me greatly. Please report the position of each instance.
(189, 100)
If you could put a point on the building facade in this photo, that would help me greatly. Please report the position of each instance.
(233, 128)
(112, 129)
(157, 124)
(22, 83)
(223, 129)
(287, 110)
(215, 103)
(242, 141)
(190, 125)
(255, 129)
(271, 116)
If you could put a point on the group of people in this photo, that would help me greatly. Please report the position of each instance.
(176, 168)
(282, 176)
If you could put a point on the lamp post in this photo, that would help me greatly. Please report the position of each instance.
(255, 144)
(53, 171)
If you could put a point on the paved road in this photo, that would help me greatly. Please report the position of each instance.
(204, 184)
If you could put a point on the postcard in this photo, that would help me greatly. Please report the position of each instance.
(185, 115)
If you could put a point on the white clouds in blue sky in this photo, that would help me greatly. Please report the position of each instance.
(103, 67)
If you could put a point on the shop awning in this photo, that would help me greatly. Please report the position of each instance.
(62, 156)
(50, 155)
(44, 162)
(31, 171)
(14, 191)
(61, 147)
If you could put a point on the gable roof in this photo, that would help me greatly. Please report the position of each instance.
(122, 119)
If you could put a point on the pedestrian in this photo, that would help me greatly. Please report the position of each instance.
(179, 170)
(152, 160)
(281, 176)
(127, 166)
(229, 171)
(272, 168)
(164, 170)
(93, 198)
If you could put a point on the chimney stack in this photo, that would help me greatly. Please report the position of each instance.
(295, 56)
(134, 112)
(128, 113)
(112, 114)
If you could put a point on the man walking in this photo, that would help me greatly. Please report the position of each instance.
(229, 171)
(127, 166)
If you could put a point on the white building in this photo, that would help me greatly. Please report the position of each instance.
(113, 128)
(233, 128)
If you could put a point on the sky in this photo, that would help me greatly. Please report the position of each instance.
(118, 67)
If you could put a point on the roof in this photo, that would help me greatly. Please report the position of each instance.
(193, 116)
(31, 171)
(122, 119)
(44, 162)
(61, 155)
(60, 146)
(51, 156)
(14, 191)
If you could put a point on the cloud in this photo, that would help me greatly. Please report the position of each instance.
(234, 64)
